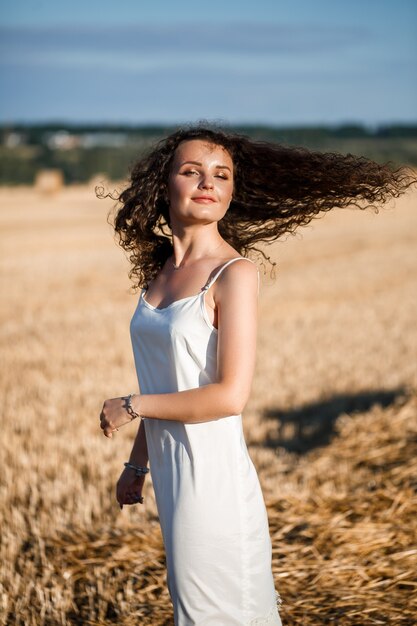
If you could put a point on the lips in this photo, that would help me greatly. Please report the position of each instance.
(204, 199)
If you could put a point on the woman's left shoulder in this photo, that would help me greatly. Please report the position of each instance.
(243, 266)
(242, 272)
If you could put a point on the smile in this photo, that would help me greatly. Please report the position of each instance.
(204, 199)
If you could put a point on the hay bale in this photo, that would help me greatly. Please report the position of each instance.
(49, 182)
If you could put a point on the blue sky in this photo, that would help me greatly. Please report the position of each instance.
(259, 61)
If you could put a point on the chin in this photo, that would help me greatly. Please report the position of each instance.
(205, 214)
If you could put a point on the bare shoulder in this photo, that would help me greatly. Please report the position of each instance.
(242, 274)
(241, 266)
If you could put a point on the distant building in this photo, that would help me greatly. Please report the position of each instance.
(65, 140)
(62, 140)
(13, 139)
(104, 140)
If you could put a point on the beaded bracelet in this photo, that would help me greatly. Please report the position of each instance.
(139, 471)
(129, 407)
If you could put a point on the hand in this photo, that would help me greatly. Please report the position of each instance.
(129, 488)
(114, 415)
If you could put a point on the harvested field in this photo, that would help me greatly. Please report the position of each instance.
(331, 424)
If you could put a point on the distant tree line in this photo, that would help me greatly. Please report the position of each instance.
(83, 151)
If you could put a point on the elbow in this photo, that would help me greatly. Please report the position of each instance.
(224, 400)
(238, 408)
(236, 402)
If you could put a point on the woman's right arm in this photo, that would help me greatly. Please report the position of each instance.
(129, 486)
(139, 453)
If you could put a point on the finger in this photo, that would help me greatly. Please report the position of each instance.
(134, 502)
(133, 498)
(136, 498)
(108, 429)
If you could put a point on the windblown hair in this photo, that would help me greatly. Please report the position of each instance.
(276, 189)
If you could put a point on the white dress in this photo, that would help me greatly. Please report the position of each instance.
(210, 505)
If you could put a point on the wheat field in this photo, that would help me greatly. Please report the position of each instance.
(331, 423)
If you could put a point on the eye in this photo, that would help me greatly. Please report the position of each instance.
(222, 176)
(188, 172)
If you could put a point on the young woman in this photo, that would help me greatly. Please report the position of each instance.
(194, 208)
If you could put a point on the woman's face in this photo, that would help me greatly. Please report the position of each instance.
(200, 184)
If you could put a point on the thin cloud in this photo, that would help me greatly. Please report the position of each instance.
(257, 39)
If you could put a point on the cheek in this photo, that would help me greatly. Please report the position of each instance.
(228, 193)
(174, 191)
(178, 188)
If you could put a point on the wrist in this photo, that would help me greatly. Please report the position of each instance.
(136, 403)
(140, 470)
(128, 405)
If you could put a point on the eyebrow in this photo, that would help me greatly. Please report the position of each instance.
(220, 167)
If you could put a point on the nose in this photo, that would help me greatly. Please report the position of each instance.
(206, 182)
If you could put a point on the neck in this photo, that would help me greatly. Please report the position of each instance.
(193, 243)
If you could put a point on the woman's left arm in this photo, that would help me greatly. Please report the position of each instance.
(236, 298)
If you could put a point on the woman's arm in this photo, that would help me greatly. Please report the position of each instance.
(236, 297)
(129, 486)
(139, 454)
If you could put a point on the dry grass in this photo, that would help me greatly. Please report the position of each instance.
(331, 424)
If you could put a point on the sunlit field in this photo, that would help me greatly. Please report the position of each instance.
(331, 424)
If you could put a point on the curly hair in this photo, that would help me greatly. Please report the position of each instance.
(277, 188)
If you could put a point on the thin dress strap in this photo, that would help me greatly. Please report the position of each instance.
(215, 277)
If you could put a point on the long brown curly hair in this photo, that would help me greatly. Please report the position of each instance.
(276, 189)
